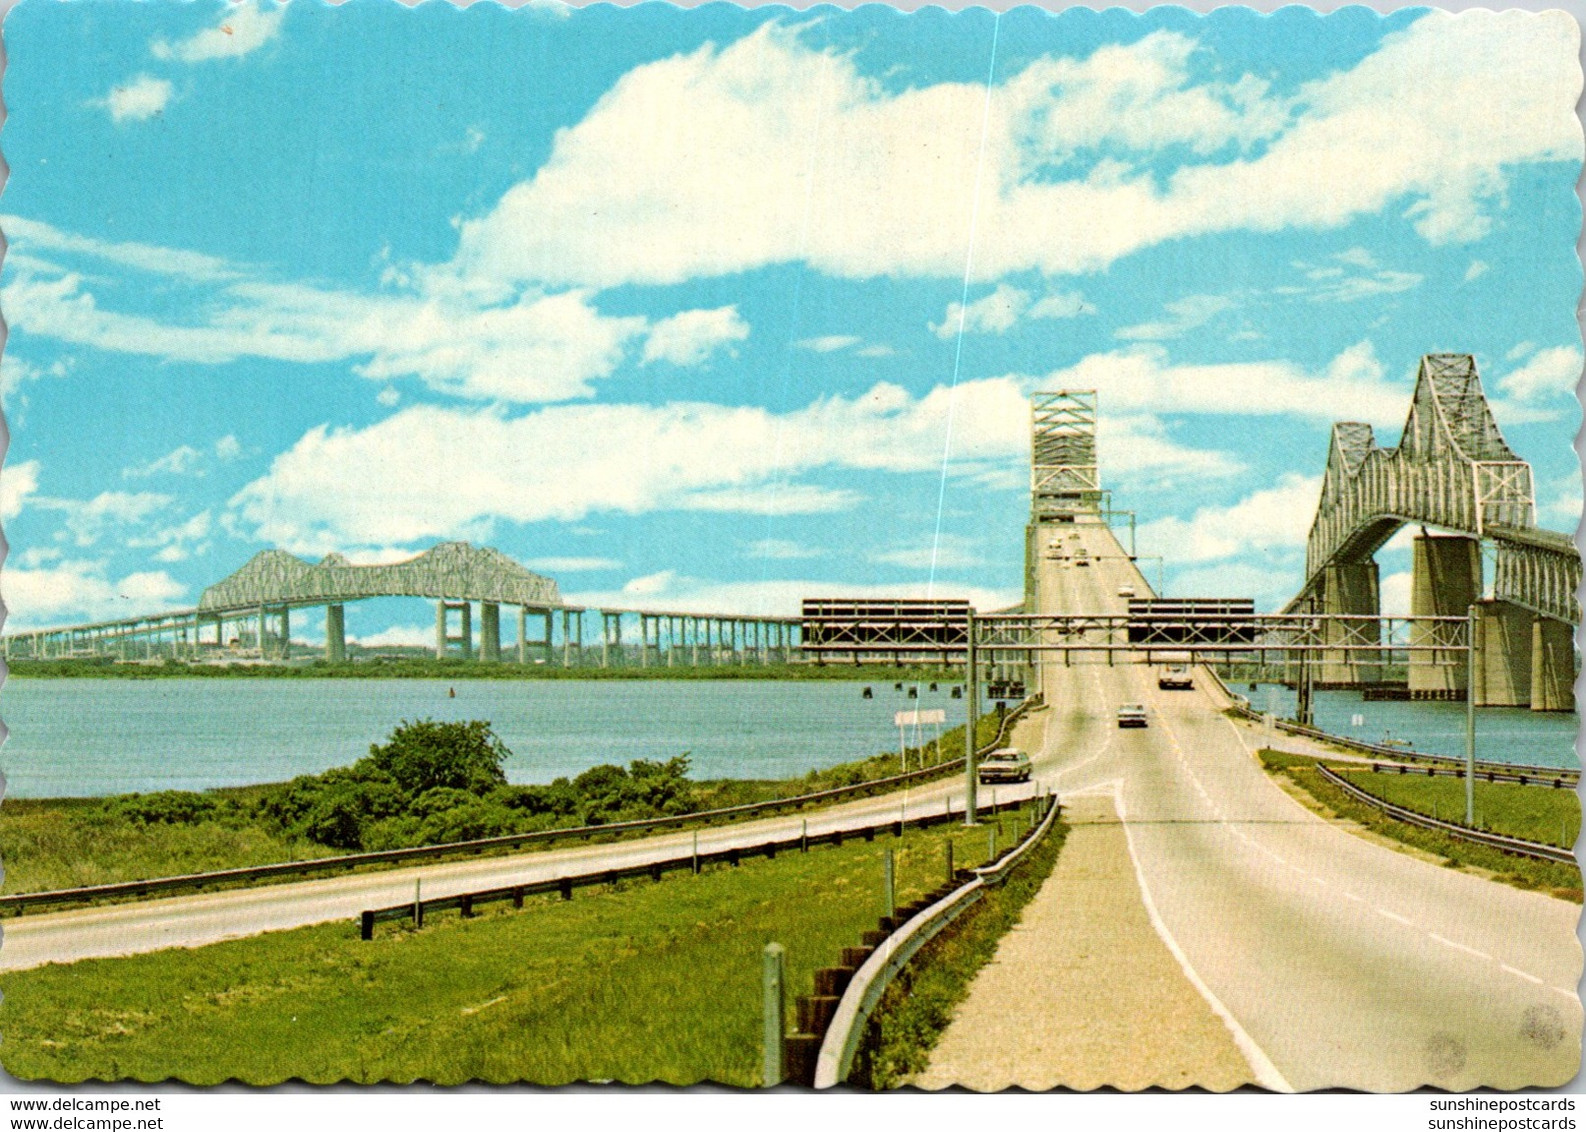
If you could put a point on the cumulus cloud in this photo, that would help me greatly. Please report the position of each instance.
(1144, 379)
(1552, 372)
(18, 481)
(1271, 519)
(570, 564)
(775, 597)
(78, 591)
(781, 548)
(828, 343)
(1349, 277)
(137, 100)
(242, 30)
(1183, 315)
(687, 339)
(720, 140)
(378, 485)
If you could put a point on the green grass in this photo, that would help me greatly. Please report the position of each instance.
(918, 1006)
(643, 982)
(55, 843)
(1529, 807)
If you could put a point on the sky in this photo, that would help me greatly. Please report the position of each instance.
(716, 309)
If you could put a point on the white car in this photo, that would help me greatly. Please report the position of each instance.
(1007, 764)
(1132, 715)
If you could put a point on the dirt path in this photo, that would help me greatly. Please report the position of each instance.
(1083, 993)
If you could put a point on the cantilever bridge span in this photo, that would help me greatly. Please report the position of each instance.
(1452, 470)
(249, 614)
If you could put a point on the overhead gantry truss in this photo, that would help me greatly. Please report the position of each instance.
(1063, 468)
(1452, 469)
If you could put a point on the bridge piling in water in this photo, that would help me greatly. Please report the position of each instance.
(1445, 581)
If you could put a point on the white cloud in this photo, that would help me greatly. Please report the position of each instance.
(1271, 519)
(772, 597)
(79, 591)
(877, 351)
(948, 553)
(1394, 591)
(180, 461)
(1183, 315)
(1349, 277)
(572, 564)
(33, 234)
(798, 156)
(244, 29)
(990, 314)
(420, 635)
(88, 521)
(1061, 304)
(781, 548)
(1144, 379)
(1477, 268)
(388, 397)
(828, 343)
(138, 100)
(379, 485)
(228, 447)
(687, 339)
(1551, 372)
(17, 482)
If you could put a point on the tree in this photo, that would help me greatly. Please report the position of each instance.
(423, 755)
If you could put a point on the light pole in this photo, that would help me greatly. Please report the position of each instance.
(1470, 716)
(972, 679)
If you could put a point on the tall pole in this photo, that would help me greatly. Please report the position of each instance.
(971, 764)
(1470, 716)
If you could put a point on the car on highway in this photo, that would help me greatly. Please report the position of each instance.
(1081, 559)
(1132, 715)
(1176, 678)
(1006, 764)
(1125, 591)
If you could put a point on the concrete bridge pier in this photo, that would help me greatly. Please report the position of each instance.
(443, 634)
(1445, 581)
(1351, 588)
(1503, 655)
(1552, 665)
(336, 633)
(489, 632)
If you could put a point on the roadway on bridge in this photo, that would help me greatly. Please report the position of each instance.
(1333, 961)
(195, 920)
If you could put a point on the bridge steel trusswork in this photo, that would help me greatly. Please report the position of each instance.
(249, 614)
(1452, 470)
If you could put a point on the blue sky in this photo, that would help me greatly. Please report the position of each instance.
(717, 308)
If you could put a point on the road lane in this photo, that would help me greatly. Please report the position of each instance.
(1346, 963)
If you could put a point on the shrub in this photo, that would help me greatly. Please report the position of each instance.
(425, 754)
(171, 807)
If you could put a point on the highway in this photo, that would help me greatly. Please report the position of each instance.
(1334, 961)
(203, 918)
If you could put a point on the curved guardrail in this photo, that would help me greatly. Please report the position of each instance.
(869, 983)
(1535, 849)
(20, 902)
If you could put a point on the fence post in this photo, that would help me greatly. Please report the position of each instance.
(804, 835)
(775, 1029)
(890, 887)
(947, 847)
(366, 920)
(696, 852)
(418, 904)
(991, 842)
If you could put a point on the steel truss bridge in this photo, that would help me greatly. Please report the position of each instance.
(248, 615)
(1452, 470)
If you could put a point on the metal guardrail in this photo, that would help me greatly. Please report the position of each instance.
(1242, 706)
(1557, 780)
(841, 1042)
(466, 902)
(1520, 846)
(18, 903)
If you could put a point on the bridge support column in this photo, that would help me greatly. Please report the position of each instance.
(1445, 581)
(1552, 665)
(523, 629)
(335, 633)
(1503, 655)
(489, 632)
(440, 630)
(1351, 588)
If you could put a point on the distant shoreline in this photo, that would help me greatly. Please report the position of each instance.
(416, 669)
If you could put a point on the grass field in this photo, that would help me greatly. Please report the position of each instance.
(1520, 811)
(53, 843)
(644, 982)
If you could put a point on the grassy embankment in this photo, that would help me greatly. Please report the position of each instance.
(641, 982)
(70, 842)
(429, 668)
(917, 1008)
(1533, 812)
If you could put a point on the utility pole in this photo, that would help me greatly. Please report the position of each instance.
(1470, 716)
(971, 763)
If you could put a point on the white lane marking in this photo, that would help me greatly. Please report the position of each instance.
(1266, 1073)
(1446, 942)
(1569, 994)
(1394, 916)
(1351, 896)
(1526, 975)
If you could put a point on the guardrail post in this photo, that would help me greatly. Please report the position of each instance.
(991, 842)
(804, 835)
(366, 921)
(418, 904)
(947, 847)
(774, 1027)
(696, 852)
(890, 891)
